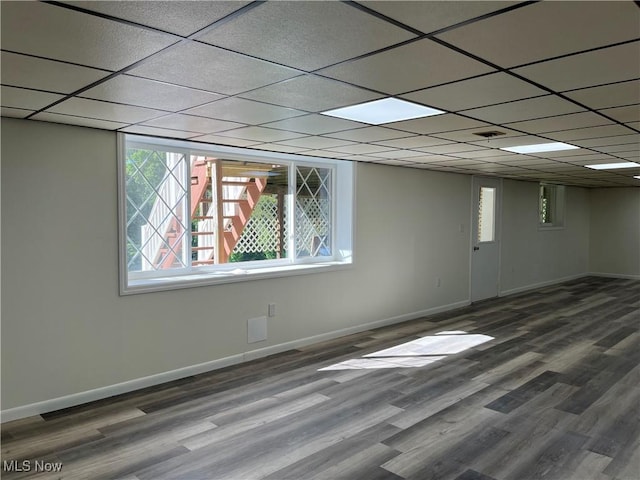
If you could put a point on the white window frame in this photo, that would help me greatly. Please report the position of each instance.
(556, 207)
(342, 221)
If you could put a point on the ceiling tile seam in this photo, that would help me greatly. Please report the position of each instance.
(85, 118)
(39, 57)
(109, 77)
(111, 18)
(136, 64)
(532, 82)
(601, 85)
(421, 35)
(20, 87)
(483, 17)
(571, 54)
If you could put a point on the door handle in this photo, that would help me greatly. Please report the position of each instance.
(476, 248)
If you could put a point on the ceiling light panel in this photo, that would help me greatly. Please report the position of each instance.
(540, 147)
(613, 166)
(382, 111)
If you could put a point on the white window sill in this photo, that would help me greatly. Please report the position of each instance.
(197, 279)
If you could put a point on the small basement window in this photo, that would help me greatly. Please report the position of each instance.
(551, 206)
(194, 214)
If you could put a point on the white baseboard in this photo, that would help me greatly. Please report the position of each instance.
(614, 275)
(534, 286)
(151, 380)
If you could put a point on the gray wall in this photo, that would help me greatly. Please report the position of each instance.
(536, 256)
(65, 330)
(615, 231)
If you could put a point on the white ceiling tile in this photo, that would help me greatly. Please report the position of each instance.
(438, 124)
(369, 134)
(170, 16)
(50, 31)
(614, 95)
(316, 143)
(488, 153)
(261, 134)
(274, 147)
(618, 149)
(113, 112)
(448, 148)
(614, 64)
(80, 121)
(148, 93)
(476, 92)
(15, 112)
(547, 29)
(413, 66)
(561, 122)
(414, 141)
(26, 99)
(589, 132)
(314, 34)
(210, 68)
(434, 15)
(524, 110)
(235, 109)
(220, 140)
(401, 163)
(327, 94)
(400, 154)
(470, 135)
(604, 141)
(30, 72)
(630, 113)
(159, 132)
(192, 124)
(314, 124)
(425, 158)
(360, 148)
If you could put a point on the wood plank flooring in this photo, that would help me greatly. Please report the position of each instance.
(553, 394)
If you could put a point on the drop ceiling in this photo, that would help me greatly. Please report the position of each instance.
(259, 74)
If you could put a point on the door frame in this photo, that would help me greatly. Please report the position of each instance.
(498, 230)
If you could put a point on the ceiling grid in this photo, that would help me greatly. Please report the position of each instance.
(261, 75)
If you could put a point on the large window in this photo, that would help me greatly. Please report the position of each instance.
(551, 206)
(194, 214)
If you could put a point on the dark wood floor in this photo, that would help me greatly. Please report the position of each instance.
(553, 395)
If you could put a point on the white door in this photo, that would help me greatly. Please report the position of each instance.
(485, 240)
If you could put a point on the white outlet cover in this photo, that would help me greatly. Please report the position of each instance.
(256, 329)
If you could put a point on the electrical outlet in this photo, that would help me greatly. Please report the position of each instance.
(271, 310)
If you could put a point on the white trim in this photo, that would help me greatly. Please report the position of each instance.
(151, 380)
(541, 284)
(615, 275)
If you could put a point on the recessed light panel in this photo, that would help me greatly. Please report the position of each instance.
(540, 147)
(637, 176)
(608, 166)
(386, 110)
